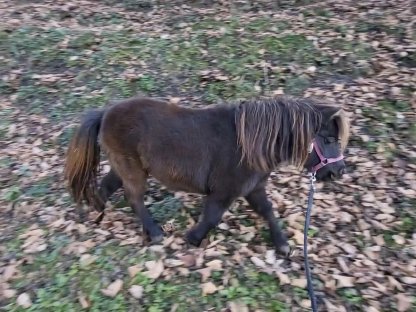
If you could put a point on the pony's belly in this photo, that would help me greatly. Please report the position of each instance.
(179, 184)
(181, 187)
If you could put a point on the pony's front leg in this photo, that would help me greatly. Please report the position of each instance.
(259, 202)
(213, 209)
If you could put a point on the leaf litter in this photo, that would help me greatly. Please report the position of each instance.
(364, 250)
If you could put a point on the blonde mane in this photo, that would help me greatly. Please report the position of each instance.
(275, 130)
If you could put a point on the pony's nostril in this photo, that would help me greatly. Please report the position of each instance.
(341, 171)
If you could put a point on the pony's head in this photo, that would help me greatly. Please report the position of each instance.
(326, 158)
(300, 132)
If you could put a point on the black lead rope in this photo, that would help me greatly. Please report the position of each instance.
(305, 242)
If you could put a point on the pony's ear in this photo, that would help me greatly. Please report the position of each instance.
(329, 112)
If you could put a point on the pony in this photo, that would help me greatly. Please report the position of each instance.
(224, 152)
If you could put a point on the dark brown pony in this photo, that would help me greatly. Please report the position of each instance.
(223, 152)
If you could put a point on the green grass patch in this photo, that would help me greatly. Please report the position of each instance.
(166, 209)
(257, 290)
(393, 106)
(39, 188)
(60, 279)
(352, 296)
(96, 61)
(379, 27)
(11, 194)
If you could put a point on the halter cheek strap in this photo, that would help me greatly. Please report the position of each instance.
(323, 160)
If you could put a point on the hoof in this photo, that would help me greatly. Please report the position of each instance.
(192, 240)
(284, 250)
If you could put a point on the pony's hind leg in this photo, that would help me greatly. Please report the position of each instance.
(134, 182)
(213, 209)
(109, 184)
(259, 202)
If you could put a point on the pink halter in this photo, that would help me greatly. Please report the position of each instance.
(324, 161)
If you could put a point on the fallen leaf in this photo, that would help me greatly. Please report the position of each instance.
(258, 262)
(342, 264)
(35, 248)
(400, 240)
(299, 282)
(311, 69)
(369, 197)
(174, 100)
(8, 272)
(188, 260)
(172, 263)
(283, 278)
(136, 291)
(394, 283)
(131, 241)
(24, 301)
(155, 269)
(34, 232)
(379, 240)
(409, 280)
(223, 226)
(349, 248)
(113, 289)
(221, 77)
(298, 237)
(305, 303)
(212, 253)
(87, 259)
(238, 306)
(102, 232)
(83, 301)
(404, 302)
(344, 281)
(205, 273)
(58, 223)
(9, 293)
(380, 287)
(270, 257)
(134, 269)
(208, 288)
(215, 265)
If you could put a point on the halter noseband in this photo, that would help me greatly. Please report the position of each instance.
(324, 161)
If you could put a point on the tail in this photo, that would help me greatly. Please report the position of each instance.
(83, 159)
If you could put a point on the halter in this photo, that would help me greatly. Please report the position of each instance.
(324, 161)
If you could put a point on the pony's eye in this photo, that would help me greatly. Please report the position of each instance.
(330, 140)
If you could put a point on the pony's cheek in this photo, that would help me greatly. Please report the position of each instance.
(312, 160)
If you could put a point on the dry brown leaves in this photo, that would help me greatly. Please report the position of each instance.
(113, 289)
(34, 241)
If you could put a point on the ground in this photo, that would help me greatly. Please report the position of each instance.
(58, 58)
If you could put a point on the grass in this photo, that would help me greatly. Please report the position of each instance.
(60, 283)
(385, 123)
(96, 61)
(352, 296)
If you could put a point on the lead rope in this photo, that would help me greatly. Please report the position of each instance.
(305, 242)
